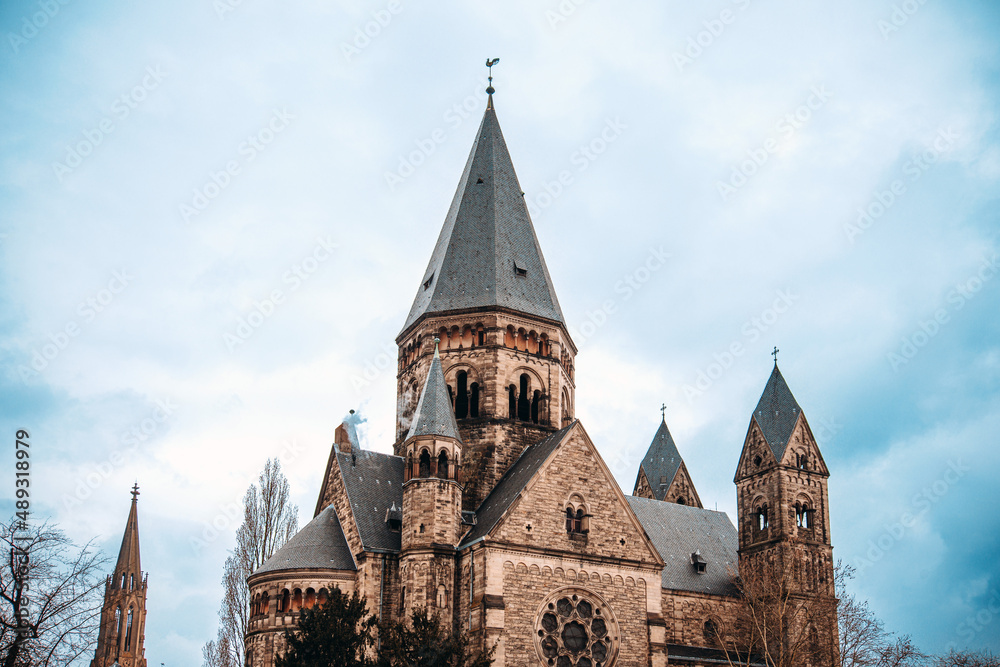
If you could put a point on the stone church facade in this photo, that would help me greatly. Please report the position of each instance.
(496, 510)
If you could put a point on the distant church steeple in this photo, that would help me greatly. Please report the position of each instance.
(123, 617)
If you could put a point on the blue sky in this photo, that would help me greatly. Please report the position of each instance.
(824, 178)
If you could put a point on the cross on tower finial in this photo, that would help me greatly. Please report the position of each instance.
(490, 62)
(663, 411)
(135, 491)
(774, 354)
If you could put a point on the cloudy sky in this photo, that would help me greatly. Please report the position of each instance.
(214, 216)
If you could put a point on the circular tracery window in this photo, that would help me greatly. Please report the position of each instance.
(576, 628)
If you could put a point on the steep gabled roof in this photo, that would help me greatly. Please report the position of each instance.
(487, 253)
(678, 531)
(434, 414)
(374, 482)
(662, 461)
(512, 483)
(776, 413)
(319, 545)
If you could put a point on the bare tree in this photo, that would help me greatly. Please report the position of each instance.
(864, 641)
(50, 596)
(269, 520)
(967, 659)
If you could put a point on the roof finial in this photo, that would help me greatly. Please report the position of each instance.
(490, 62)
(135, 491)
(437, 341)
(663, 411)
(774, 354)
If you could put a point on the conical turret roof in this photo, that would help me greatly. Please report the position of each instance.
(434, 415)
(487, 253)
(776, 413)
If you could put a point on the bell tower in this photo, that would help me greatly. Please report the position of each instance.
(784, 519)
(123, 617)
(505, 351)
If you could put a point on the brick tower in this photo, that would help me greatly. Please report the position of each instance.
(123, 617)
(506, 355)
(784, 519)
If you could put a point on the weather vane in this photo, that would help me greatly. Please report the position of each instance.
(490, 62)
(774, 354)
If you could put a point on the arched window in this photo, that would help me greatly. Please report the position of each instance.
(131, 581)
(682, 501)
(297, 600)
(523, 404)
(128, 631)
(409, 468)
(571, 525)
(425, 464)
(323, 597)
(803, 516)
(123, 582)
(286, 603)
(442, 597)
(762, 519)
(512, 399)
(474, 400)
(711, 633)
(536, 401)
(462, 396)
(265, 604)
(118, 624)
(310, 598)
(442, 470)
(402, 600)
(802, 461)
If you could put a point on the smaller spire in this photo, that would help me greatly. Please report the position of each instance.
(490, 62)
(128, 555)
(434, 414)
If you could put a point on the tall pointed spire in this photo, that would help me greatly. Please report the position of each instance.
(434, 414)
(128, 555)
(487, 253)
(777, 412)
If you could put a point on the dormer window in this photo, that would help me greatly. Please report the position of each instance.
(394, 519)
(699, 562)
(427, 283)
(519, 272)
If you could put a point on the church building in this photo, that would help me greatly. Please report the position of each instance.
(495, 508)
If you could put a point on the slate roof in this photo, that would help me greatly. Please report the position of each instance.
(434, 414)
(486, 234)
(677, 531)
(702, 656)
(319, 545)
(776, 413)
(374, 482)
(512, 483)
(662, 461)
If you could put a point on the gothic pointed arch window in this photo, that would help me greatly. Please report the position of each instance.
(118, 623)
(131, 582)
(425, 464)
(128, 631)
(462, 395)
(442, 467)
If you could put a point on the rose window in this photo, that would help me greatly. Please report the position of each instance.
(576, 628)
